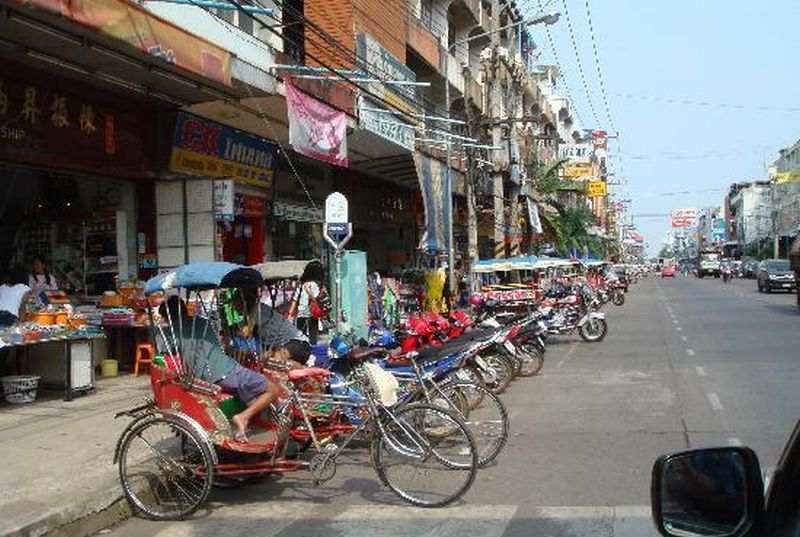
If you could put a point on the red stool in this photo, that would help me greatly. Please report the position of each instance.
(145, 352)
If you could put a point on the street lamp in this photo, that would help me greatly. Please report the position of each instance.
(547, 19)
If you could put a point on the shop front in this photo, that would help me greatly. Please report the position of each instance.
(78, 166)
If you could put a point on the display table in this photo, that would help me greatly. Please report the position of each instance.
(69, 368)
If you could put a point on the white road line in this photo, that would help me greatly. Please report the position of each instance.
(733, 441)
(716, 404)
(701, 371)
(690, 352)
(567, 355)
(679, 329)
(684, 339)
(675, 321)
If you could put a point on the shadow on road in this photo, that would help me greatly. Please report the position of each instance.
(784, 309)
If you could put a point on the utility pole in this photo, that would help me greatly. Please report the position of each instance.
(494, 114)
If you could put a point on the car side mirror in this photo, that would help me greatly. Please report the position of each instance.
(715, 492)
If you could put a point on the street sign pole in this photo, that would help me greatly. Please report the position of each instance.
(337, 231)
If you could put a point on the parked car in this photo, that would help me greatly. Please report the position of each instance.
(668, 272)
(720, 492)
(775, 274)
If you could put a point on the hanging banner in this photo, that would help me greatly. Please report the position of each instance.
(596, 189)
(578, 171)
(436, 199)
(315, 129)
(387, 126)
(683, 218)
(533, 216)
(202, 147)
(599, 140)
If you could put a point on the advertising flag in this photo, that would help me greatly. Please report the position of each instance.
(315, 129)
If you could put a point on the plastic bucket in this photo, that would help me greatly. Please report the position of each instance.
(110, 368)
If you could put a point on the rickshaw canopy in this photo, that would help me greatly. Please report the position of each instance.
(519, 263)
(282, 270)
(203, 276)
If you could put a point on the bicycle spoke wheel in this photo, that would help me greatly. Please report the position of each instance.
(420, 464)
(471, 375)
(488, 423)
(165, 469)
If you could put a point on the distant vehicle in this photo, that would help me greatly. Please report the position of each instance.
(750, 269)
(794, 261)
(720, 491)
(775, 274)
(668, 272)
(708, 263)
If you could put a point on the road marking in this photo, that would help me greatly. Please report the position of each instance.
(701, 372)
(675, 321)
(733, 441)
(568, 354)
(679, 329)
(690, 352)
(716, 404)
(684, 339)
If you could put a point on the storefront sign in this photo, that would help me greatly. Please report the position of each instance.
(127, 22)
(315, 129)
(683, 218)
(374, 57)
(786, 177)
(578, 171)
(250, 206)
(202, 147)
(596, 189)
(599, 140)
(386, 126)
(297, 213)
(50, 121)
(223, 200)
(580, 153)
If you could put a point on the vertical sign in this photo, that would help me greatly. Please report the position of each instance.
(223, 200)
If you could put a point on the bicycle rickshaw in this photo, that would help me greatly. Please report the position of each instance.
(181, 443)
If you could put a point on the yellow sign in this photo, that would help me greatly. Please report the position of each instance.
(786, 177)
(209, 166)
(596, 189)
(577, 171)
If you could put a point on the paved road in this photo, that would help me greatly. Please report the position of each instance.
(686, 363)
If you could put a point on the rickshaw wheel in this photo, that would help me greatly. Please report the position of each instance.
(166, 470)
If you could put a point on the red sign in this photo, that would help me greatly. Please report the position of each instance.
(599, 139)
(111, 141)
(254, 207)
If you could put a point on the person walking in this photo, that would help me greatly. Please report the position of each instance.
(309, 310)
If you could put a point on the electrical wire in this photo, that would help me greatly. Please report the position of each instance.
(579, 62)
(597, 66)
(692, 102)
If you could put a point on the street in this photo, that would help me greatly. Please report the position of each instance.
(686, 363)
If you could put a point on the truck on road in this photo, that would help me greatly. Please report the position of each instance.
(708, 263)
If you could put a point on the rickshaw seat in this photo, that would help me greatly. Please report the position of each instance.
(299, 374)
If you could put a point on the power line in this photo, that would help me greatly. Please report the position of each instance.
(692, 102)
(558, 62)
(578, 61)
(597, 66)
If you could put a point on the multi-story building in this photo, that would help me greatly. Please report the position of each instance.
(785, 175)
(749, 209)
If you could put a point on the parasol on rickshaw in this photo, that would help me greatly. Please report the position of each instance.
(181, 443)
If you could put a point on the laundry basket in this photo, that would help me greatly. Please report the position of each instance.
(20, 388)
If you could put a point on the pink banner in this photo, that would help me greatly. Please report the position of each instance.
(315, 129)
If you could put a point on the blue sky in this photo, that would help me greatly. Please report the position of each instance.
(743, 54)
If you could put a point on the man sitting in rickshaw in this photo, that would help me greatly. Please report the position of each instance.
(204, 359)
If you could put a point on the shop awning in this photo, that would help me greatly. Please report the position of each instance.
(120, 44)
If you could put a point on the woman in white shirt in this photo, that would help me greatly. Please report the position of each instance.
(11, 299)
(40, 279)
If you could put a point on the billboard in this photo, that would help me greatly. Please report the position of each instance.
(683, 218)
(596, 189)
(578, 171)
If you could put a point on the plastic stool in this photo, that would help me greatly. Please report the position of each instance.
(145, 352)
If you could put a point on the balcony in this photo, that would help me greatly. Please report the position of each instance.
(474, 92)
(454, 69)
(423, 42)
(470, 9)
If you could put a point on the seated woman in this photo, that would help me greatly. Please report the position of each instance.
(203, 358)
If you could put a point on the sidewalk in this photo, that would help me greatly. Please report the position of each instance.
(57, 458)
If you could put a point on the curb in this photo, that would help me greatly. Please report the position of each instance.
(81, 518)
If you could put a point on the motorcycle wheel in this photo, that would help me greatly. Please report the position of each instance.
(594, 330)
(503, 370)
(619, 299)
(532, 359)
